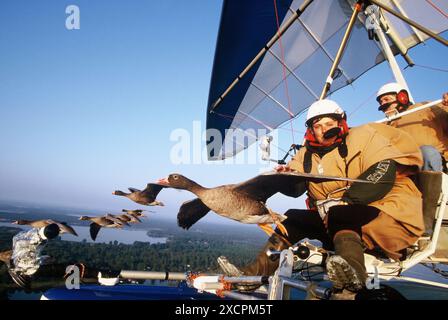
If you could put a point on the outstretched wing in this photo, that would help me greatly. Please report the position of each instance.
(191, 212)
(316, 178)
(94, 229)
(131, 217)
(262, 187)
(116, 220)
(134, 189)
(292, 184)
(153, 189)
(66, 228)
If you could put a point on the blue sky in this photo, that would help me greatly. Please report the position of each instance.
(85, 112)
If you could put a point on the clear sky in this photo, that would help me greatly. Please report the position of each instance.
(85, 112)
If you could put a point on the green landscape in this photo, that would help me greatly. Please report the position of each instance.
(195, 249)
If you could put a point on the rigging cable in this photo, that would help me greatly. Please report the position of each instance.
(431, 68)
(362, 104)
(437, 8)
(282, 56)
(230, 118)
(240, 117)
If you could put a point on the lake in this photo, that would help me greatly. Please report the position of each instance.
(106, 235)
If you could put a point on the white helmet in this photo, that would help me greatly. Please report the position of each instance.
(389, 88)
(322, 108)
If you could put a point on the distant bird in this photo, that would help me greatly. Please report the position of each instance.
(116, 219)
(125, 218)
(65, 228)
(137, 215)
(98, 223)
(136, 212)
(133, 218)
(146, 197)
(133, 211)
(244, 202)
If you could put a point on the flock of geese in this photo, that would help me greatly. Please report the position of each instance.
(107, 221)
(244, 202)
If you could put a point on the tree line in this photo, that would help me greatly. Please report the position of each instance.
(181, 252)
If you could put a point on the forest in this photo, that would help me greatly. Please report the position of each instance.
(183, 251)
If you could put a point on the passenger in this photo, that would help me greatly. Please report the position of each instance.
(385, 214)
(428, 127)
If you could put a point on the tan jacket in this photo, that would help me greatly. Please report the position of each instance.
(367, 145)
(427, 127)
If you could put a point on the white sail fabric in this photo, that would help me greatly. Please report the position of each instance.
(302, 58)
(429, 13)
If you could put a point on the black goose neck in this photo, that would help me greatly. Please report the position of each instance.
(193, 186)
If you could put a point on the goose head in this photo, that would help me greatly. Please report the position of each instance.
(177, 181)
(119, 193)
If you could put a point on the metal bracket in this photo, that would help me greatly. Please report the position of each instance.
(284, 270)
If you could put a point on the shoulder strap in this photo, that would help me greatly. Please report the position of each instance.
(343, 150)
(307, 162)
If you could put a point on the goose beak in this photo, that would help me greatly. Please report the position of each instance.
(163, 182)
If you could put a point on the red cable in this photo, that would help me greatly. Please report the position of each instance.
(284, 70)
(368, 99)
(362, 104)
(437, 8)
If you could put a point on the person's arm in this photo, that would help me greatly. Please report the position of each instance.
(382, 174)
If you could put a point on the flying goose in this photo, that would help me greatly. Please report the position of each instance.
(99, 222)
(145, 197)
(136, 212)
(125, 218)
(244, 202)
(63, 226)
